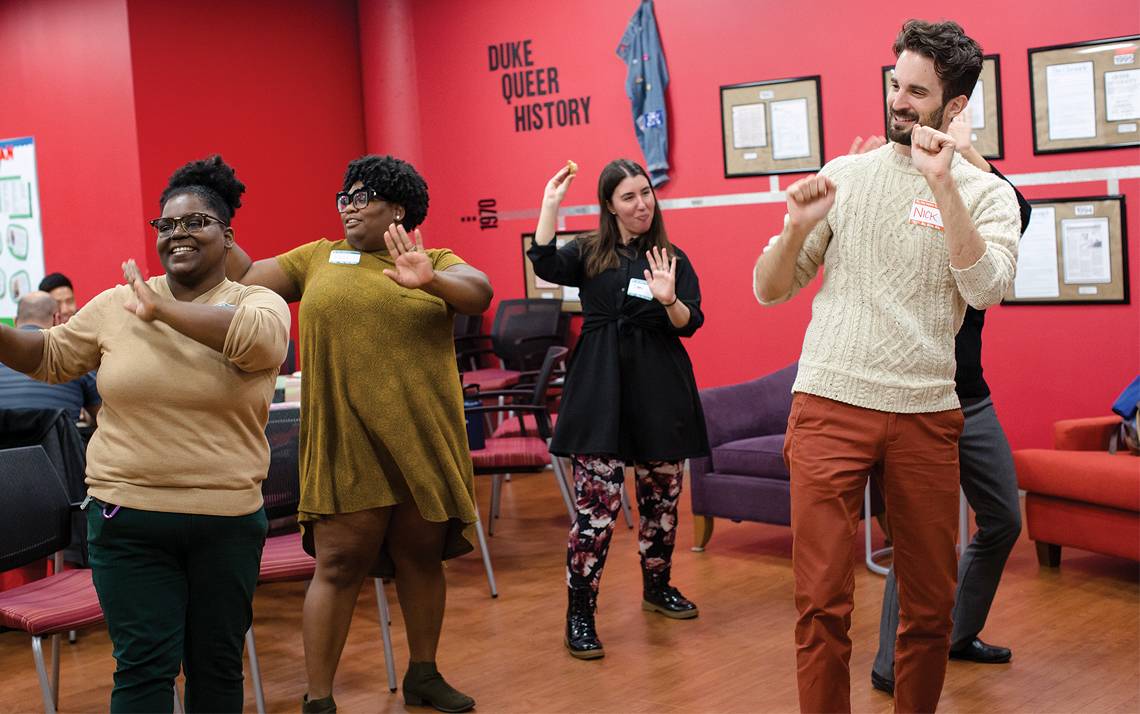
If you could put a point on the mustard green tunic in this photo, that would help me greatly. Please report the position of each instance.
(382, 405)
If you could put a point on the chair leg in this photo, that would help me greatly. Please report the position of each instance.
(563, 487)
(56, 647)
(702, 531)
(1048, 555)
(386, 633)
(625, 507)
(496, 500)
(255, 670)
(870, 555)
(486, 558)
(41, 671)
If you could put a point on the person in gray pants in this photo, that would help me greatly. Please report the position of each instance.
(990, 485)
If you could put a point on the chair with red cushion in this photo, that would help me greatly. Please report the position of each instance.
(520, 334)
(1077, 494)
(35, 522)
(284, 559)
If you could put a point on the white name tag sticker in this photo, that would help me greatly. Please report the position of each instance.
(926, 213)
(638, 288)
(345, 257)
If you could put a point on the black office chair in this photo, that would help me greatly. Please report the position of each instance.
(519, 337)
(35, 523)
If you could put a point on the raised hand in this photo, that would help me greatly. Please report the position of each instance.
(144, 304)
(662, 276)
(413, 266)
(961, 131)
(932, 151)
(862, 146)
(809, 200)
(557, 186)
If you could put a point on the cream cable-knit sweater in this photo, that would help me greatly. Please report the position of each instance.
(883, 323)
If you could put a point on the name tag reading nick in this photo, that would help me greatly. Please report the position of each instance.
(926, 213)
(345, 257)
(638, 288)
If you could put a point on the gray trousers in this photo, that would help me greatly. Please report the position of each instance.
(990, 485)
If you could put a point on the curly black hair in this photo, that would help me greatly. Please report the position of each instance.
(957, 57)
(396, 181)
(212, 180)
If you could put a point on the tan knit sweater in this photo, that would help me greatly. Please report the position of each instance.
(883, 323)
(182, 429)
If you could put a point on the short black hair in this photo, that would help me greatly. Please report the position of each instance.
(396, 181)
(55, 280)
(957, 57)
(212, 180)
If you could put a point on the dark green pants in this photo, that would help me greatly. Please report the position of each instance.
(177, 591)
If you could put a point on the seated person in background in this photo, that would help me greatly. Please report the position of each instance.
(38, 310)
(59, 287)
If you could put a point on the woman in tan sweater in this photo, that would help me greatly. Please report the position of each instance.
(187, 363)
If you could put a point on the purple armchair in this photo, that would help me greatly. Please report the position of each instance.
(745, 478)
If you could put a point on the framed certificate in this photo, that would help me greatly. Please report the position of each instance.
(537, 288)
(1075, 251)
(984, 108)
(1085, 96)
(772, 127)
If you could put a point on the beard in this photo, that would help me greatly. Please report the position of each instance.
(902, 136)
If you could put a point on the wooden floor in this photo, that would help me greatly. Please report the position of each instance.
(1075, 633)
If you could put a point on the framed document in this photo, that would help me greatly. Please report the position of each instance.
(1085, 96)
(772, 127)
(984, 108)
(537, 288)
(1075, 251)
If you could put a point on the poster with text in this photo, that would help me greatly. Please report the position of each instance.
(21, 245)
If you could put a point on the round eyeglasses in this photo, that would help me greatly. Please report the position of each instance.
(358, 199)
(191, 223)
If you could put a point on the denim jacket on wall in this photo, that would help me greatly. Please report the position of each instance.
(645, 83)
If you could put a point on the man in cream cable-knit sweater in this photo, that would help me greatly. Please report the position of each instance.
(910, 234)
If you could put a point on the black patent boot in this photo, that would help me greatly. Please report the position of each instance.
(581, 633)
(659, 596)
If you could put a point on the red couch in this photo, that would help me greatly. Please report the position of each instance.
(1079, 495)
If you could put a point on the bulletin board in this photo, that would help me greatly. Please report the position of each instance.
(539, 289)
(772, 127)
(1086, 95)
(1074, 252)
(21, 245)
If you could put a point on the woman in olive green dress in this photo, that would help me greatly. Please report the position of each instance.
(386, 478)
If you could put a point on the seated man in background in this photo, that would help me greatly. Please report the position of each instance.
(59, 287)
(39, 310)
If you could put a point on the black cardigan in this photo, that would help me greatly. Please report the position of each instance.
(630, 391)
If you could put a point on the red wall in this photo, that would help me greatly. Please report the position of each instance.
(1043, 363)
(67, 82)
(275, 89)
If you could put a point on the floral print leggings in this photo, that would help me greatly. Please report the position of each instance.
(597, 488)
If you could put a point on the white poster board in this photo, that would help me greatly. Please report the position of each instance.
(21, 243)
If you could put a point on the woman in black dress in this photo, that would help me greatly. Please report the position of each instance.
(630, 396)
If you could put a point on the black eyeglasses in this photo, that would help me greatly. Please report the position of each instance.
(358, 198)
(191, 223)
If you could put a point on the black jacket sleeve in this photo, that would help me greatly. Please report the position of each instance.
(557, 265)
(1022, 204)
(688, 291)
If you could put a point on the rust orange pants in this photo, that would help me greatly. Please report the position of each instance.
(830, 449)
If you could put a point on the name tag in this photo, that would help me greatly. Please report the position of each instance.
(926, 213)
(345, 257)
(638, 288)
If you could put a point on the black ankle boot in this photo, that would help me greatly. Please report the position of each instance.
(660, 596)
(425, 686)
(581, 633)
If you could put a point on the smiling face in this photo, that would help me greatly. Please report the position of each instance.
(364, 227)
(633, 204)
(65, 297)
(915, 98)
(191, 258)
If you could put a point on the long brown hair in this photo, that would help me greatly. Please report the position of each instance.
(599, 250)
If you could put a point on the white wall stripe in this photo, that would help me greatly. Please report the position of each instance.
(1111, 175)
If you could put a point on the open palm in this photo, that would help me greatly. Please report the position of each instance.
(413, 267)
(662, 276)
